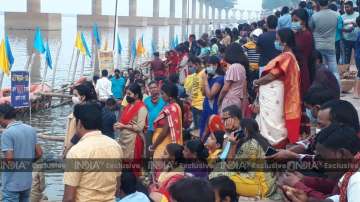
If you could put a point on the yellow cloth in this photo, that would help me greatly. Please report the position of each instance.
(79, 44)
(70, 130)
(213, 157)
(252, 45)
(94, 186)
(193, 85)
(4, 61)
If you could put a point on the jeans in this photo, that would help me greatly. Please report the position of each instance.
(330, 57)
(196, 117)
(338, 50)
(16, 196)
(348, 47)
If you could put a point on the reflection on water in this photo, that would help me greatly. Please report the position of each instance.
(54, 120)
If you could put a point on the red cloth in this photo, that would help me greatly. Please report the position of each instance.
(304, 42)
(316, 187)
(130, 111)
(293, 129)
(166, 185)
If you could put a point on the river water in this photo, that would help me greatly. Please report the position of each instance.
(54, 120)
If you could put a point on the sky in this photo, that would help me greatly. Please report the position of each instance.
(84, 6)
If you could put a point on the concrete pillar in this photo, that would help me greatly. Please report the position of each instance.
(207, 11)
(213, 13)
(132, 8)
(185, 9)
(201, 13)
(36, 67)
(171, 33)
(96, 7)
(172, 8)
(156, 9)
(227, 14)
(33, 6)
(132, 36)
(193, 9)
(219, 13)
(155, 33)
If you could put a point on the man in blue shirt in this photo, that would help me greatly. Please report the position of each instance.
(285, 19)
(19, 145)
(118, 84)
(154, 104)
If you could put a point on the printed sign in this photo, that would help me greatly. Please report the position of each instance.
(106, 61)
(20, 90)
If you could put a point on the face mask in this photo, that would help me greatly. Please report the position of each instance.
(310, 116)
(317, 130)
(192, 70)
(75, 100)
(278, 46)
(130, 99)
(210, 70)
(296, 26)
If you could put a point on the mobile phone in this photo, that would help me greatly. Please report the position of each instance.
(239, 134)
(270, 151)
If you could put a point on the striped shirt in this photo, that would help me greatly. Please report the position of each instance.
(253, 56)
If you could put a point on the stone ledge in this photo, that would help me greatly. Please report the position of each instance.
(28, 21)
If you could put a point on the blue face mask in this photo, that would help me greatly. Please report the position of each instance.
(296, 26)
(192, 70)
(310, 116)
(278, 46)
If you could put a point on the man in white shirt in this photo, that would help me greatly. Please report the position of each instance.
(103, 86)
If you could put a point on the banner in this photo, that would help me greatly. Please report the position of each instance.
(20, 89)
(106, 61)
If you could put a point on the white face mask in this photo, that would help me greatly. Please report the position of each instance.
(75, 100)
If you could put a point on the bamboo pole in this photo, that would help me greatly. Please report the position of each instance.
(44, 77)
(71, 62)
(55, 67)
(75, 67)
(1, 79)
(82, 66)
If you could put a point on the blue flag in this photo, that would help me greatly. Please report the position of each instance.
(176, 42)
(153, 47)
(119, 47)
(38, 41)
(83, 40)
(8, 51)
(133, 49)
(96, 35)
(48, 56)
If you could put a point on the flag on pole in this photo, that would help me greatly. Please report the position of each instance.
(119, 46)
(140, 50)
(80, 43)
(153, 47)
(48, 56)
(38, 41)
(96, 35)
(133, 49)
(8, 51)
(4, 59)
(176, 42)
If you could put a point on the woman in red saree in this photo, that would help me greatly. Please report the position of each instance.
(132, 123)
(168, 125)
(279, 94)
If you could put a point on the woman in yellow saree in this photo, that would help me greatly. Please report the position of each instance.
(168, 125)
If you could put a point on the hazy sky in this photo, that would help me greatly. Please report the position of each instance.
(84, 6)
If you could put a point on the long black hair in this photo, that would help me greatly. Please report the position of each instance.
(288, 36)
(87, 89)
(136, 89)
(303, 15)
(171, 90)
(253, 132)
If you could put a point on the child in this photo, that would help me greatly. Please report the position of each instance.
(109, 118)
(253, 56)
(214, 144)
(224, 189)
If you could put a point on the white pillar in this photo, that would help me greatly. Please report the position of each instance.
(33, 6)
(132, 8)
(172, 8)
(95, 7)
(156, 11)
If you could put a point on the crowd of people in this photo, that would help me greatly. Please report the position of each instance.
(212, 112)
